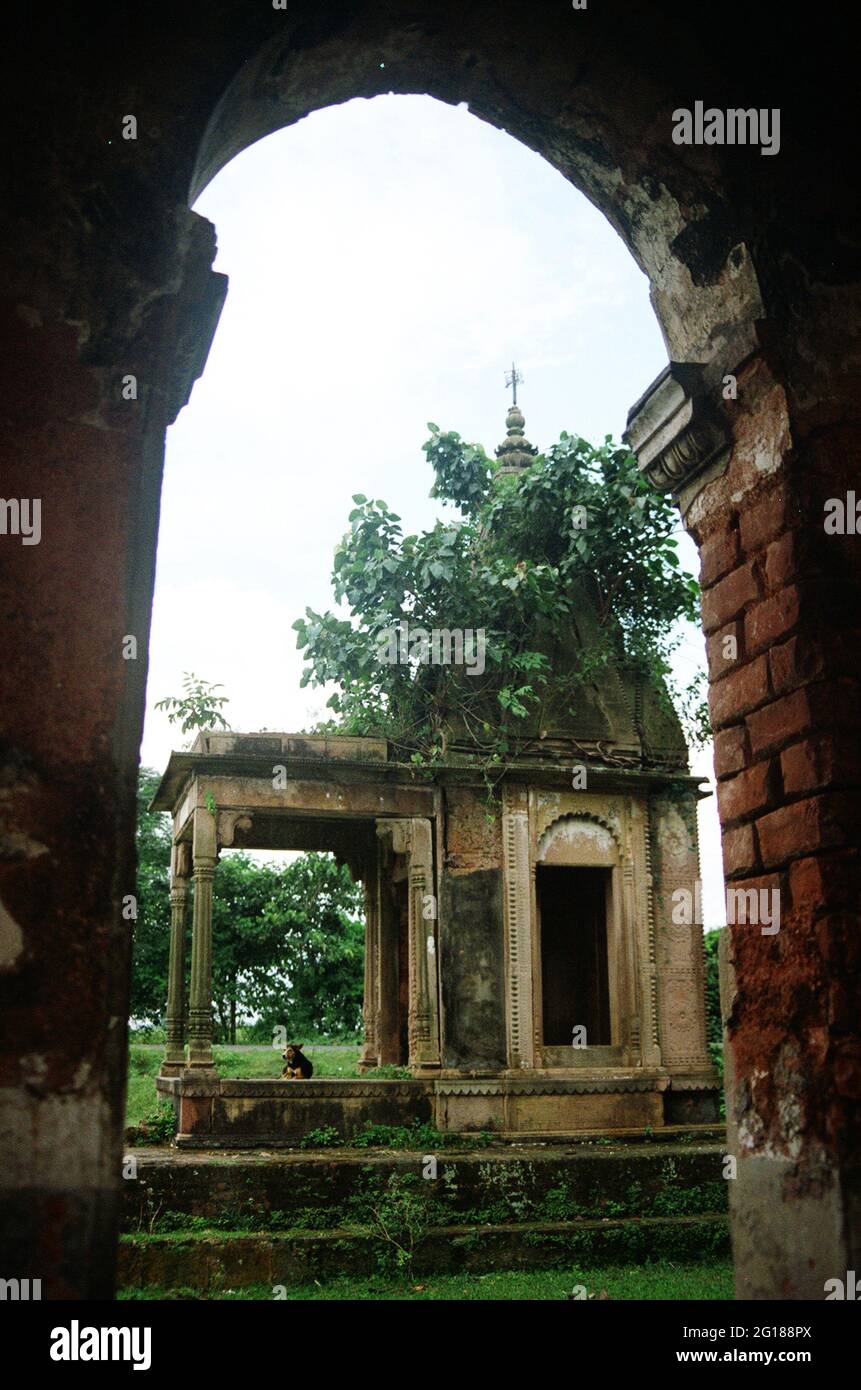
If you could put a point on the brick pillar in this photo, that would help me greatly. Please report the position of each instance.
(104, 325)
(780, 609)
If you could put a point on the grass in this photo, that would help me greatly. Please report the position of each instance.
(144, 1063)
(663, 1280)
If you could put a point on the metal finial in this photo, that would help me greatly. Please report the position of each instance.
(513, 379)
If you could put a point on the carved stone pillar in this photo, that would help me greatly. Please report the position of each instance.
(391, 868)
(174, 1053)
(679, 943)
(518, 894)
(200, 992)
(631, 987)
(371, 998)
(424, 1006)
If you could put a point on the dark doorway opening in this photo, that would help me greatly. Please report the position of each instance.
(572, 908)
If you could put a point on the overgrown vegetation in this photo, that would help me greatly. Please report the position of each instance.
(500, 1194)
(198, 707)
(416, 1136)
(159, 1126)
(580, 528)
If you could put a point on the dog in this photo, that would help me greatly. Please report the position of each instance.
(298, 1067)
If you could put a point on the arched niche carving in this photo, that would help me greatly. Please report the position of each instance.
(579, 838)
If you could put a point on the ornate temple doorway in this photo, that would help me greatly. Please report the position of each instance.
(572, 915)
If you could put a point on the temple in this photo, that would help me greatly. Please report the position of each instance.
(524, 957)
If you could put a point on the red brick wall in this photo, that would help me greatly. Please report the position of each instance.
(788, 761)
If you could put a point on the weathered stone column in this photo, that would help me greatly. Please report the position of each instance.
(200, 992)
(371, 999)
(678, 943)
(390, 869)
(424, 1009)
(174, 1053)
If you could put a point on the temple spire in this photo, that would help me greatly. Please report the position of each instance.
(515, 452)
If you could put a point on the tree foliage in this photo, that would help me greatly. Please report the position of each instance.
(152, 926)
(288, 946)
(714, 1021)
(515, 561)
(198, 707)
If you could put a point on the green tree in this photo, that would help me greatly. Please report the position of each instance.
(198, 707)
(521, 555)
(288, 943)
(152, 926)
(288, 946)
(714, 1024)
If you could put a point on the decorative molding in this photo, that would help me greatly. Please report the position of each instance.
(585, 817)
(228, 822)
(652, 963)
(695, 1083)
(560, 1086)
(518, 931)
(555, 806)
(675, 428)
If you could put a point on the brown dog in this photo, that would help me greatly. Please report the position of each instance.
(298, 1067)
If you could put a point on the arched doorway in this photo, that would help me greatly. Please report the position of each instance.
(110, 284)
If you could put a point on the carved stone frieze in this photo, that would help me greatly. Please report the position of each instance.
(553, 806)
(560, 1086)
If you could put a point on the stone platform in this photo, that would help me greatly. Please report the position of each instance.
(238, 1112)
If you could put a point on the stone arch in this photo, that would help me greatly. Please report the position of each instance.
(107, 273)
(701, 284)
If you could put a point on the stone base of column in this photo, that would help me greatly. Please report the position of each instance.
(424, 1060)
(172, 1066)
(201, 1063)
(199, 1057)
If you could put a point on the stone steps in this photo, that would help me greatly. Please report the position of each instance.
(212, 1261)
(196, 1219)
(244, 1190)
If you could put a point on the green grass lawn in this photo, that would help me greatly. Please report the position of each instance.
(144, 1062)
(663, 1280)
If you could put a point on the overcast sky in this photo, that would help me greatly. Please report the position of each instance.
(388, 259)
